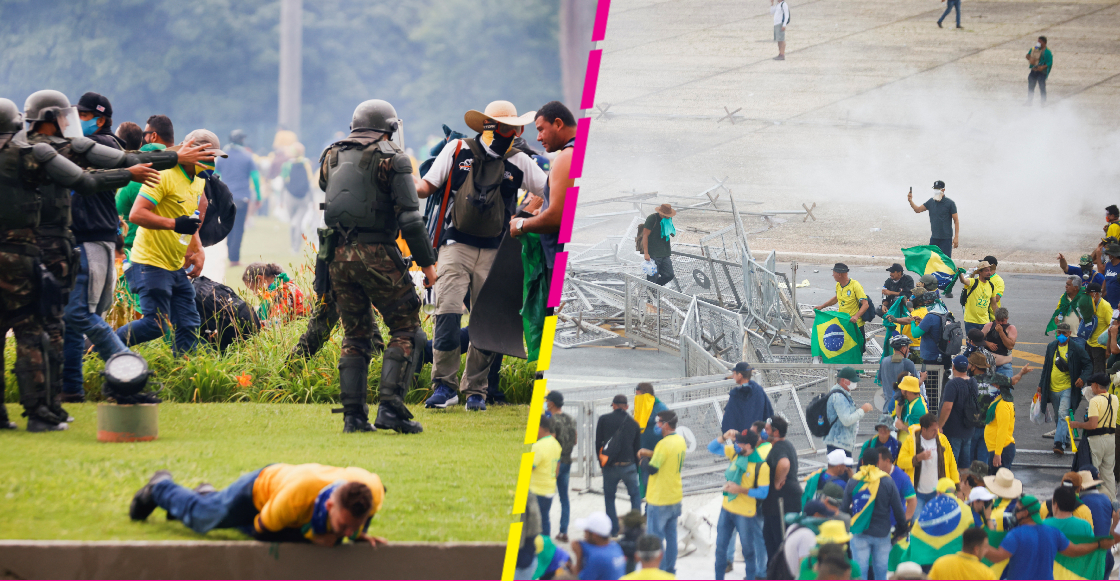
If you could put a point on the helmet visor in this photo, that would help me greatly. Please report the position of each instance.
(398, 135)
(68, 122)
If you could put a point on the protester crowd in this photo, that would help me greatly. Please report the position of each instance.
(932, 494)
(87, 202)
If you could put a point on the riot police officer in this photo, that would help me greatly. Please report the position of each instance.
(370, 198)
(29, 173)
(52, 121)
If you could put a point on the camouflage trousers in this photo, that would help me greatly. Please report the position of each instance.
(19, 313)
(323, 320)
(365, 274)
(60, 258)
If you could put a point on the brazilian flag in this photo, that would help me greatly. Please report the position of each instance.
(1089, 566)
(836, 339)
(897, 310)
(930, 260)
(939, 530)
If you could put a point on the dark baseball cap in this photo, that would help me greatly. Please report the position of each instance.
(896, 267)
(1100, 379)
(939, 185)
(840, 267)
(1093, 288)
(960, 363)
(620, 399)
(556, 398)
(742, 367)
(95, 103)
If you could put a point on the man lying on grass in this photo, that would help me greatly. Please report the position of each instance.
(280, 502)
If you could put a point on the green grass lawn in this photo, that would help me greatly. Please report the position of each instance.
(453, 482)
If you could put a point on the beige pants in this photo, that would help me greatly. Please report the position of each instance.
(460, 267)
(1103, 448)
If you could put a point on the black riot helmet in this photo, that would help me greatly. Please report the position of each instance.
(377, 115)
(11, 121)
(52, 106)
(237, 136)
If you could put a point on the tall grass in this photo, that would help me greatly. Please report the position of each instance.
(255, 370)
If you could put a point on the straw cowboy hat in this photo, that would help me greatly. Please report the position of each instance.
(1004, 484)
(499, 111)
(666, 211)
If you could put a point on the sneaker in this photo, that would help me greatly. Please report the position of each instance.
(959, 26)
(730, 567)
(443, 397)
(1059, 449)
(142, 502)
(38, 424)
(780, 57)
(1050, 434)
(6, 424)
(939, 24)
(476, 403)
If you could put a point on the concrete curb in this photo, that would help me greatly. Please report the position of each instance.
(246, 560)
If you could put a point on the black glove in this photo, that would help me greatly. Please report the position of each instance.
(187, 224)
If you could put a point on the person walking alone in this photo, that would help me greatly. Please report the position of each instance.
(655, 243)
(780, 11)
(1041, 60)
(949, 5)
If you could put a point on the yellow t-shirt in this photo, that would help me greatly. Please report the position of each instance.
(848, 299)
(546, 453)
(285, 493)
(1059, 381)
(905, 329)
(176, 195)
(1098, 407)
(745, 504)
(1103, 311)
(668, 456)
(652, 573)
(1113, 231)
(976, 308)
(960, 566)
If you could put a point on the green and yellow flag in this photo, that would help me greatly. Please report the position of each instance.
(1089, 566)
(863, 496)
(939, 530)
(929, 260)
(836, 339)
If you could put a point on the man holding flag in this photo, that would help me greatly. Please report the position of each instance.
(850, 300)
(940, 526)
(871, 497)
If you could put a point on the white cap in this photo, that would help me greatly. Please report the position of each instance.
(597, 523)
(980, 493)
(838, 458)
(909, 568)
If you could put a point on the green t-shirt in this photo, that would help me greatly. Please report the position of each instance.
(1070, 527)
(658, 247)
(126, 196)
(1046, 59)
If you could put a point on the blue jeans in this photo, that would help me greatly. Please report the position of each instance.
(872, 551)
(944, 244)
(545, 504)
(949, 5)
(166, 297)
(562, 480)
(1006, 458)
(237, 233)
(962, 450)
(612, 475)
(1005, 369)
(923, 498)
(79, 322)
(750, 537)
(970, 326)
(664, 270)
(226, 509)
(661, 522)
(979, 447)
(1061, 432)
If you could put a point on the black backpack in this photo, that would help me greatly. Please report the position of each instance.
(779, 567)
(225, 316)
(299, 183)
(817, 415)
(968, 291)
(869, 312)
(220, 212)
(974, 415)
(952, 335)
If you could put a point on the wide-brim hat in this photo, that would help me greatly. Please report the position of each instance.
(1088, 481)
(1004, 484)
(666, 211)
(499, 111)
(833, 531)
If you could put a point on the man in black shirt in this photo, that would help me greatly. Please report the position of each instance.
(951, 418)
(658, 228)
(897, 286)
(617, 441)
(784, 487)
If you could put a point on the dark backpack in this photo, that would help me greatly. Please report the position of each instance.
(225, 316)
(299, 183)
(817, 415)
(220, 212)
(974, 415)
(638, 240)
(869, 312)
(952, 335)
(479, 209)
(968, 291)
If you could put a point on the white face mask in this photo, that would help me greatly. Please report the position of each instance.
(939, 195)
(852, 386)
(1038, 45)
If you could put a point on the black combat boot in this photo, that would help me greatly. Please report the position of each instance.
(352, 385)
(396, 371)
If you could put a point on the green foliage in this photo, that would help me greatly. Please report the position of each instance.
(215, 63)
(454, 482)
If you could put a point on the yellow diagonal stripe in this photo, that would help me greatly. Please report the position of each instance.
(536, 408)
(548, 335)
(521, 496)
(512, 545)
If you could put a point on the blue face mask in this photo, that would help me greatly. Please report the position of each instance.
(1062, 339)
(738, 450)
(657, 430)
(764, 435)
(89, 126)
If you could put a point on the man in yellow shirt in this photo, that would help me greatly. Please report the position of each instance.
(849, 298)
(978, 290)
(1102, 311)
(278, 503)
(997, 284)
(1065, 365)
(168, 252)
(965, 564)
(649, 554)
(546, 465)
(1100, 428)
(664, 492)
(747, 482)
